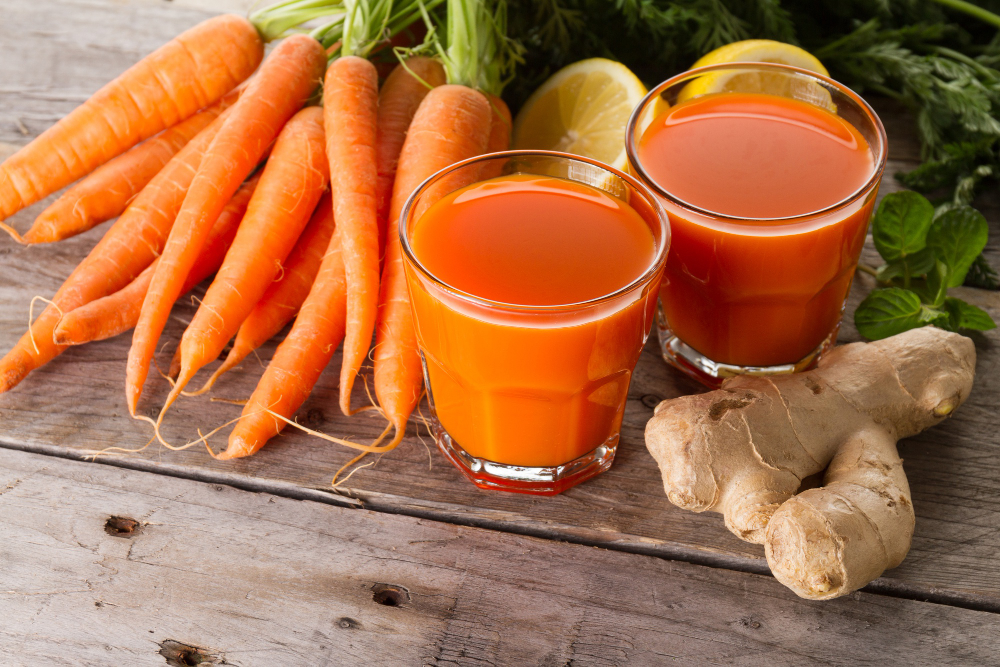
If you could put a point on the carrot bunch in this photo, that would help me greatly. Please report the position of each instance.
(293, 207)
(188, 73)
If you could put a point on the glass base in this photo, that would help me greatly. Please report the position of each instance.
(521, 479)
(685, 358)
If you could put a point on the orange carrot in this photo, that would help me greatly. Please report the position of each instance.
(403, 91)
(128, 247)
(290, 187)
(350, 99)
(188, 73)
(299, 360)
(499, 140)
(106, 192)
(283, 299)
(500, 126)
(452, 124)
(175, 364)
(285, 80)
(118, 312)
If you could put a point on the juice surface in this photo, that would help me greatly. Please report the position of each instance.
(538, 388)
(755, 156)
(758, 292)
(533, 241)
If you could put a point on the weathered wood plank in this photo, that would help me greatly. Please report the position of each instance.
(255, 579)
(76, 403)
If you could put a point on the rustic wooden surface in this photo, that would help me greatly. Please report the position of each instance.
(74, 406)
(301, 588)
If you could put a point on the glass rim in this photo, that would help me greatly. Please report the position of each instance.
(631, 146)
(654, 266)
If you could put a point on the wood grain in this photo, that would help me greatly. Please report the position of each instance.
(307, 584)
(75, 405)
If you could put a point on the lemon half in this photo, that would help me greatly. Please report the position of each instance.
(582, 109)
(758, 51)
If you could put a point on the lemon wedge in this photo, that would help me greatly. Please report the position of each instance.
(759, 51)
(582, 109)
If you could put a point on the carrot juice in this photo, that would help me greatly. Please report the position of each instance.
(769, 200)
(532, 301)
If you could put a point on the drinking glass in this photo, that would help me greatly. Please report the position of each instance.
(757, 295)
(530, 398)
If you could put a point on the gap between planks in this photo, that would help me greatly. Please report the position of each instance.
(372, 501)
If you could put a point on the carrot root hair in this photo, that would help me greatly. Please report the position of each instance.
(375, 448)
(231, 401)
(31, 316)
(227, 365)
(334, 483)
(13, 233)
(93, 454)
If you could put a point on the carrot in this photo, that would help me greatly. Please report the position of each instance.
(106, 192)
(118, 312)
(292, 183)
(285, 296)
(128, 247)
(350, 99)
(452, 124)
(299, 360)
(500, 126)
(188, 73)
(285, 80)
(175, 364)
(403, 91)
(499, 140)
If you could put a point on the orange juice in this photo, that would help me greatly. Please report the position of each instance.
(742, 286)
(528, 363)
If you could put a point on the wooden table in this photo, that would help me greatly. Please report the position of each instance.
(160, 555)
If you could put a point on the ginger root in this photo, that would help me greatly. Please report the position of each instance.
(743, 451)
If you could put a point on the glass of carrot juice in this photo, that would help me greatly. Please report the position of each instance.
(769, 198)
(533, 278)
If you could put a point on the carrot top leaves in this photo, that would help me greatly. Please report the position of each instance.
(476, 51)
(284, 18)
(366, 25)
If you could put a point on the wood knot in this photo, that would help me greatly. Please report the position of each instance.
(122, 526)
(315, 417)
(183, 655)
(390, 595)
(651, 401)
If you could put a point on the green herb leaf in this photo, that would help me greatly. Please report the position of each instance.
(936, 284)
(962, 315)
(956, 238)
(918, 264)
(900, 226)
(887, 312)
(886, 273)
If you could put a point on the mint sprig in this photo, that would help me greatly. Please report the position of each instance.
(926, 253)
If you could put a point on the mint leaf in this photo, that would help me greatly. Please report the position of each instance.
(956, 237)
(918, 264)
(962, 315)
(900, 225)
(887, 312)
(886, 273)
(936, 284)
